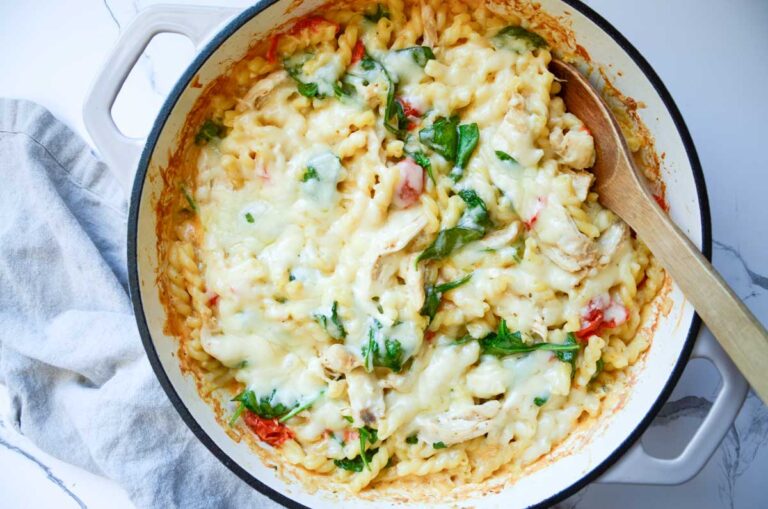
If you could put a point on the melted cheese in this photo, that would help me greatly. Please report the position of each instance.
(304, 222)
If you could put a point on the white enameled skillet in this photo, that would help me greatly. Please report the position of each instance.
(613, 454)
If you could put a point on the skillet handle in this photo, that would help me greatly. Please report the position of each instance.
(120, 152)
(638, 467)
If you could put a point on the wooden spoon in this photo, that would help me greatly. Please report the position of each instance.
(622, 189)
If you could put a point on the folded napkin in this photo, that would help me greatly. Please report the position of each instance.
(80, 383)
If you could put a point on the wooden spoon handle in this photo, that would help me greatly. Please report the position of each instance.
(732, 323)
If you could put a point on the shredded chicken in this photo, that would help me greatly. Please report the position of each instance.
(365, 396)
(262, 87)
(428, 21)
(610, 240)
(459, 425)
(580, 182)
(516, 135)
(562, 242)
(575, 148)
(337, 360)
(503, 237)
(376, 270)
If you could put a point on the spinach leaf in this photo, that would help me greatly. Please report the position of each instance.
(421, 54)
(599, 367)
(442, 137)
(293, 67)
(463, 340)
(439, 445)
(518, 39)
(519, 246)
(454, 142)
(469, 134)
(356, 464)
(392, 108)
(348, 418)
(540, 401)
(301, 407)
(392, 357)
(447, 241)
(413, 439)
(569, 355)
(476, 214)
(380, 12)
(263, 407)
(310, 174)
(422, 160)
(190, 200)
(503, 156)
(368, 349)
(368, 63)
(342, 89)
(472, 226)
(332, 323)
(370, 436)
(503, 343)
(209, 131)
(434, 293)
(397, 121)
(308, 89)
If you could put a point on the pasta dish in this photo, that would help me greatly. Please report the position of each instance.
(385, 256)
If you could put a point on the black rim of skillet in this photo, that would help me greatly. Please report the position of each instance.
(134, 281)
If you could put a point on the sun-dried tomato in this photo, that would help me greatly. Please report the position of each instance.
(271, 431)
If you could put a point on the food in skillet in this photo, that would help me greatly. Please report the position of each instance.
(389, 252)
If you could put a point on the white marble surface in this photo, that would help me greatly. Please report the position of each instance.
(712, 56)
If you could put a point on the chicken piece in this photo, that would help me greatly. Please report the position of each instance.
(561, 241)
(517, 133)
(365, 396)
(581, 182)
(375, 270)
(428, 22)
(337, 360)
(455, 426)
(610, 241)
(502, 238)
(262, 87)
(575, 147)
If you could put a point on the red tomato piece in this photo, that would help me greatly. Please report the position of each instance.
(272, 51)
(358, 52)
(662, 202)
(408, 108)
(270, 431)
(615, 315)
(532, 220)
(410, 111)
(590, 324)
(411, 183)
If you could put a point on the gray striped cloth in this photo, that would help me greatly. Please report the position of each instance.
(70, 354)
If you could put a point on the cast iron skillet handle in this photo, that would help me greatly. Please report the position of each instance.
(638, 467)
(120, 152)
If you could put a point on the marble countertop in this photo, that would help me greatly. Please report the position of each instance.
(710, 54)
